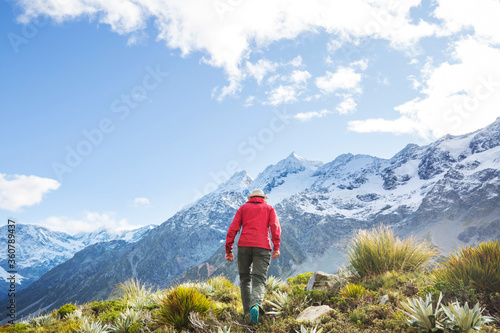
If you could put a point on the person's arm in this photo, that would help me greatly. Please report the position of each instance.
(274, 225)
(233, 230)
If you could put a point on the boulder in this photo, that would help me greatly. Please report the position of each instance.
(314, 313)
(384, 299)
(324, 282)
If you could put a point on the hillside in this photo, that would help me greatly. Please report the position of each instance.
(446, 192)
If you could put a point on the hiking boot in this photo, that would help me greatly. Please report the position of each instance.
(254, 314)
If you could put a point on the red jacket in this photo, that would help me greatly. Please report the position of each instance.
(256, 218)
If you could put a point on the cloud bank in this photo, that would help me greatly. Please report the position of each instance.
(17, 191)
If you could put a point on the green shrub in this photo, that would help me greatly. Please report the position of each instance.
(286, 325)
(19, 327)
(422, 314)
(220, 282)
(282, 304)
(273, 284)
(309, 330)
(66, 309)
(124, 322)
(223, 290)
(41, 320)
(313, 296)
(70, 326)
(135, 327)
(98, 307)
(177, 304)
(406, 283)
(301, 279)
(353, 291)
(456, 292)
(369, 315)
(373, 252)
(88, 326)
(462, 319)
(475, 266)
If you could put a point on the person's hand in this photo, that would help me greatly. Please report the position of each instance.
(276, 254)
(229, 256)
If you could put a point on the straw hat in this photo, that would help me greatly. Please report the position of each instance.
(257, 193)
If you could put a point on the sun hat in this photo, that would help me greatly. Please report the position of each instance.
(257, 193)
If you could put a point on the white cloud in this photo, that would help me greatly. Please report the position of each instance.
(348, 105)
(312, 97)
(288, 93)
(224, 31)
(457, 97)
(361, 64)
(91, 221)
(333, 45)
(300, 77)
(18, 191)
(282, 94)
(139, 202)
(260, 69)
(249, 101)
(481, 15)
(345, 78)
(296, 62)
(398, 126)
(305, 116)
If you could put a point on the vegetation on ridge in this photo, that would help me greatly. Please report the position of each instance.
(388, 287)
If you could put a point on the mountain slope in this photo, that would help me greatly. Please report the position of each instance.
(39, 249)
(68, 282)
(446, 192)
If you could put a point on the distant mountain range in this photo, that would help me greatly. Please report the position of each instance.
(446, 192)
(40, 249)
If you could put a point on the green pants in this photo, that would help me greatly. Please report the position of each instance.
(253, 263)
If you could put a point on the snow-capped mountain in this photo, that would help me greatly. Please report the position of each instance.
(40, 249)
(291, 175)
(446, 192)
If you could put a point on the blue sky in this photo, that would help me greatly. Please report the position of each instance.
(118, 113)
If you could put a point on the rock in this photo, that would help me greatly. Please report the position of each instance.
(323, 281)
(314, 313)
(384, 299)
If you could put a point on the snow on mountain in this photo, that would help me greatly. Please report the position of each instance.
(238, 182)
(447, 192)
(291, 175)
(39, 249)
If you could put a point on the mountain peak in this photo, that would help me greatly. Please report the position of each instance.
(294, 155)
(238, 182)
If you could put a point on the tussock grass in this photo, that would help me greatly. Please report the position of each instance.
(477, 266)
(177, 304)
(135, 294)
(373, 252)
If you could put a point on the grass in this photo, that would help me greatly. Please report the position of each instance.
(476, 266)
(176, 306)
(133, 293)
(408, 301)
(374, 252)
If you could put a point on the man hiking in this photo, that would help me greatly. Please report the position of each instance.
(255, 219)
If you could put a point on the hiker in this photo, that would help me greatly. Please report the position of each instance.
(255, 219)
